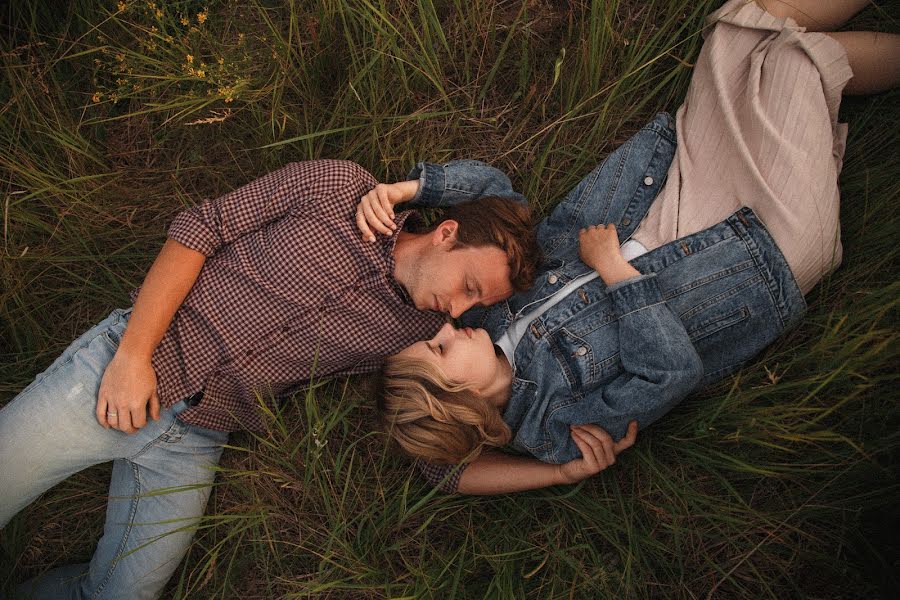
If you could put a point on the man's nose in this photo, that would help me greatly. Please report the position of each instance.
(458, 307)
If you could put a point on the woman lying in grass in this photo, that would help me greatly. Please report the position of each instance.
(723, 236)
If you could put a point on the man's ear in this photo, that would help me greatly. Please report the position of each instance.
(445, 233)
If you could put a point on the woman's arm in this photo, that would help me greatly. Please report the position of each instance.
(498, 473)
(435, 186)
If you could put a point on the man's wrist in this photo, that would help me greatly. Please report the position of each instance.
(133, 352)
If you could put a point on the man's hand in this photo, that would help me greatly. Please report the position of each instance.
(127, 387)
(598, 451)
(376, 208)
(598, 246)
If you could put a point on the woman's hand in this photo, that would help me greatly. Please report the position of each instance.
(598, 246)
(127, 390)
(376, 208)
(598, 451)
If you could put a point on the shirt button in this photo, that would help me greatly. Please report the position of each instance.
(626, 222)
(648, 180)
(552, 279)
(581, 351)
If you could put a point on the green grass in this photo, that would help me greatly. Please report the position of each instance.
(777, 483)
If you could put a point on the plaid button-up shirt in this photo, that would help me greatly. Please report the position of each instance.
(289, 292)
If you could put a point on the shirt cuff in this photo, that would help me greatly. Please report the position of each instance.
(444, 477)
(187, 230)
(635, 293)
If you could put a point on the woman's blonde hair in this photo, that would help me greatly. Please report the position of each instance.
(434, 418)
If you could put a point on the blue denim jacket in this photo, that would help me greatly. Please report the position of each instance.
(703, 306)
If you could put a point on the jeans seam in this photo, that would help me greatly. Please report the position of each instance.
(54, 368)
(135, 499)
(176, 424)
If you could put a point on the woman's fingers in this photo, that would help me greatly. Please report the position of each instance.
(386, 204)
(629, 439)
(592, 451)
(377, 205)
(587, 453)
(363, 225)
(600, 441)
(375, 212)
(370, 208)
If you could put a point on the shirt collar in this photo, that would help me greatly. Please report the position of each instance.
(390, 243)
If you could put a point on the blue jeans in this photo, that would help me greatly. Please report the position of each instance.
(160, 482)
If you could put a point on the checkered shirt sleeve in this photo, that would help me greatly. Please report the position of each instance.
(444, 477)
(214, 223)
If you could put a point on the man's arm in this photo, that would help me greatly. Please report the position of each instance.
(129, 382)
(498, 473)
(323, 185)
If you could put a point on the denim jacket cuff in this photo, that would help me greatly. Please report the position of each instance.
(635, 293)
(432, 182)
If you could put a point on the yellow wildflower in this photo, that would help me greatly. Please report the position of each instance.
(96, 97)
(159, 13)
(121, 6)
(221, 61)
(229, 99)
(201, 17)
(201, 73)
(120, 57)
(189, 58)
(185, 22)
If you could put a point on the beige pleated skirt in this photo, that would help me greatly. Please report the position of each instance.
(759, 128)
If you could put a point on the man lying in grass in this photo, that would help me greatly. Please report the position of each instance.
(600, 341)
(252, 295)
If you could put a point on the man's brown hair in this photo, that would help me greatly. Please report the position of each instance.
(505, 223)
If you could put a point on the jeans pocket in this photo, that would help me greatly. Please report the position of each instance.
(112, 335)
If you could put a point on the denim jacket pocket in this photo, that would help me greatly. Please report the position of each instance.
(585, 360)
(716, 323)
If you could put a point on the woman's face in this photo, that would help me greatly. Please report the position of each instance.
(464, 355)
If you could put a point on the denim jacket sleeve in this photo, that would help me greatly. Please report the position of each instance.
(659, 367)
(457, 181)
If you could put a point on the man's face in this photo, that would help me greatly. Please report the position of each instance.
(453, 279)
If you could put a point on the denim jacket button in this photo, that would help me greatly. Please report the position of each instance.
(648, 180)
(581, 351)
(552, 279)
(626, 222)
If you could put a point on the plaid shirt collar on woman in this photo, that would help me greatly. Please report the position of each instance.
(289, 293)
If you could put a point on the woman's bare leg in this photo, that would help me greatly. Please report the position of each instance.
(874, 58)
(815, 15)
